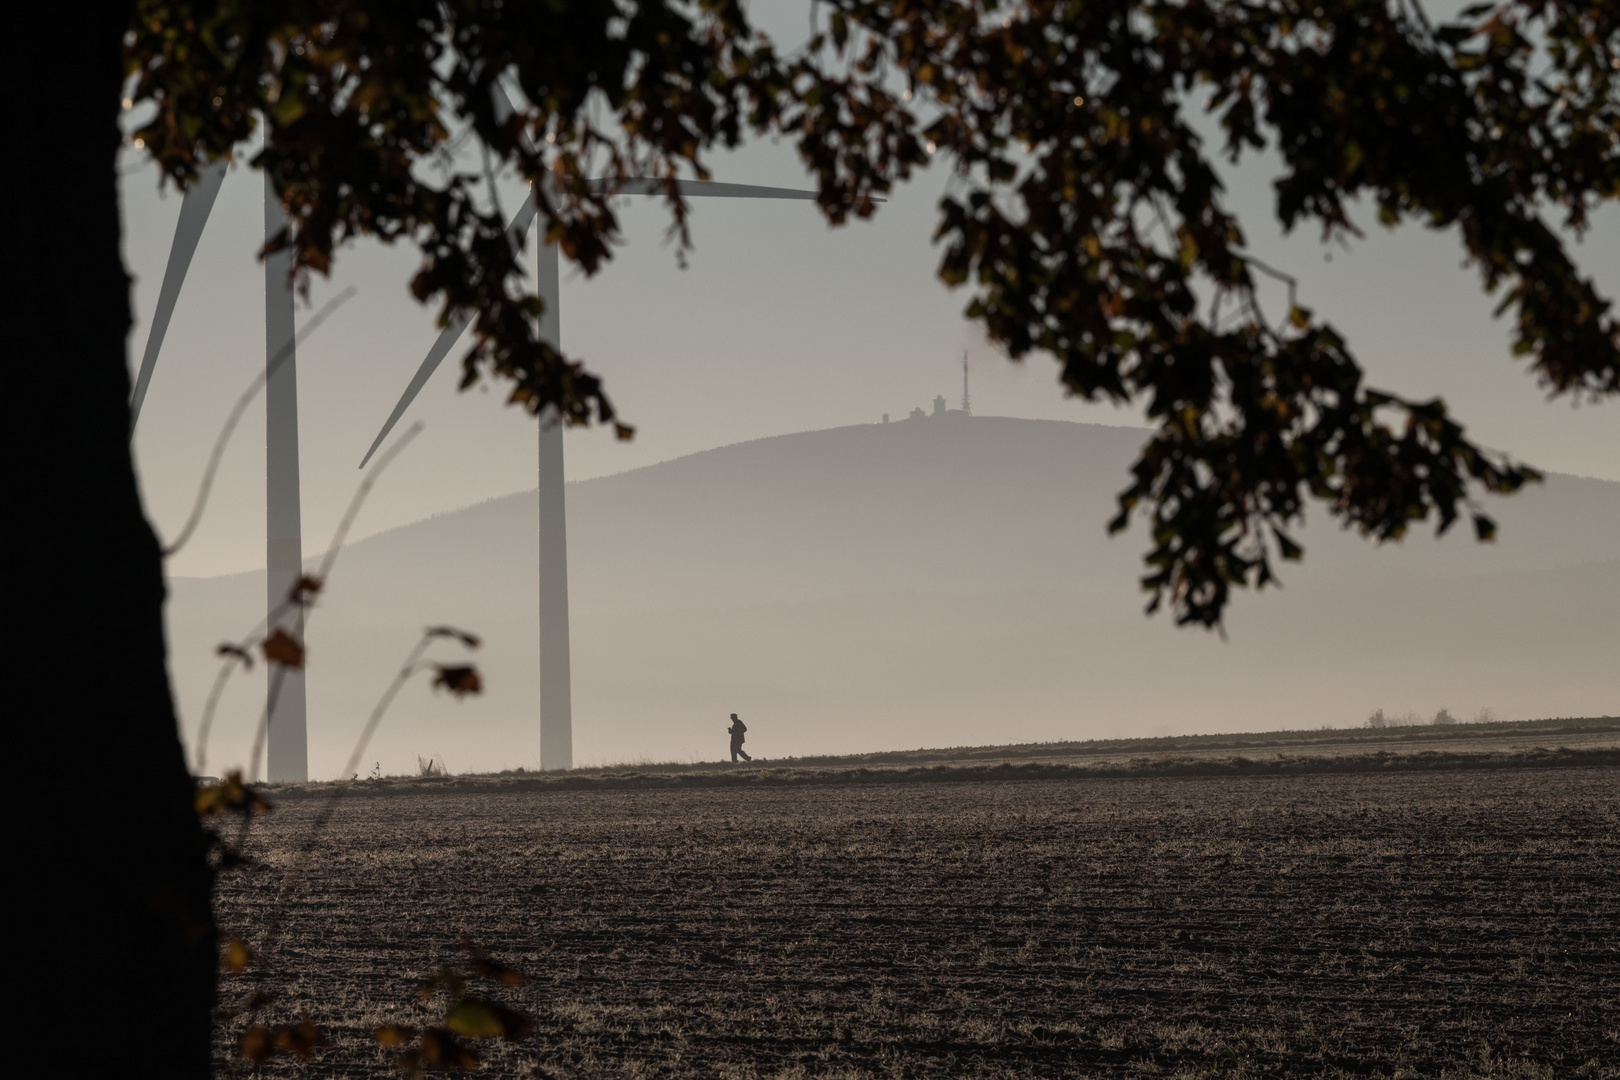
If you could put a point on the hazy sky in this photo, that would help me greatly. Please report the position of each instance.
(778, 324)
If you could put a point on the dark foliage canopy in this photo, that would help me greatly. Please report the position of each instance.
(1087, 218)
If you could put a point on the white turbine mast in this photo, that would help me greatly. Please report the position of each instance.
(556, 695)
(288, 753)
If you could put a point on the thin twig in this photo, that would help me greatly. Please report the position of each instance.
(261, 733)
(294, 597)
(360, 497)
(243, 646)
(295, 872)
(259, 381)
(233, 658)
(412, 663)
(1288, 279)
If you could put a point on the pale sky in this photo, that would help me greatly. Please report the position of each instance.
(778, 324)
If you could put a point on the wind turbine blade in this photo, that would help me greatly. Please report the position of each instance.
(194, 210)
(447, 338)
(703, 188)
(441, 348)
(644, 185)
(520, 225)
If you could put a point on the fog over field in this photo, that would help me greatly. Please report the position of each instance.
(932, 581)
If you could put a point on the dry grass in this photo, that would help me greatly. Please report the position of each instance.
(846, 772)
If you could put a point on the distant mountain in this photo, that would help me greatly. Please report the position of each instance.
(932, 581)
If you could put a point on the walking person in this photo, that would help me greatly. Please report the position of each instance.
(736, 732)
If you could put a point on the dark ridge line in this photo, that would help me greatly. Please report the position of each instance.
(1383, 762)
(706, 453)
(1261, 740)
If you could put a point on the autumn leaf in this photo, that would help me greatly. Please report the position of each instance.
(210, 801)
(447, 979)
(479, 1019)
(230, 794)
(226, 648)
(237, 955)
(304, 590)
(256, 1045)
(489, 968)
(470, 640)
(300, 1039)
(226, 856)
(460, 680)
(282, 648)
(441, 1048)
(394, 1034)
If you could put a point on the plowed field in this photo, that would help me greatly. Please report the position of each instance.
(1451, 923)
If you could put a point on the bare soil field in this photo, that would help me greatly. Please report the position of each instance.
(1454, 923)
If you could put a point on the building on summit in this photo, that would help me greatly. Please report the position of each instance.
(939, 403)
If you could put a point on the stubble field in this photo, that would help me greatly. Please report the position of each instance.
(1435, 924)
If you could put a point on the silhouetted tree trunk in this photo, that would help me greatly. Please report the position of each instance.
(113, 868)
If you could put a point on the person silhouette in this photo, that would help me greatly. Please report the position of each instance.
(736, 732)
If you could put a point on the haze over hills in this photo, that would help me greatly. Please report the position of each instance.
(936, 581)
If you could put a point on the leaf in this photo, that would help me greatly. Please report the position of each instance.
(489, 968)
(230, 794)
(305, 589)
(226, 648)
(394, 1034)
(480, 1019)
(441, 1048)
(447, 979)
(282, 648)
(300, 1039)
(255, 1044)
(469, 640)
(1286, 545)
(840, 29)
(237, 955)
(459, 680)
(210, 801)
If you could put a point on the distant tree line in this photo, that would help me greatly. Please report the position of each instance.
(1443, 718)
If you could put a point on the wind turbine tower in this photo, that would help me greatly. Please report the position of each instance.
(288, 749)
(556, 696)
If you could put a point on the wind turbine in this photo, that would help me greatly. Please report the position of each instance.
(288, 754)
(556, 695)
(288, 750)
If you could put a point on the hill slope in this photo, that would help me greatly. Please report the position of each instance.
(923, 582)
